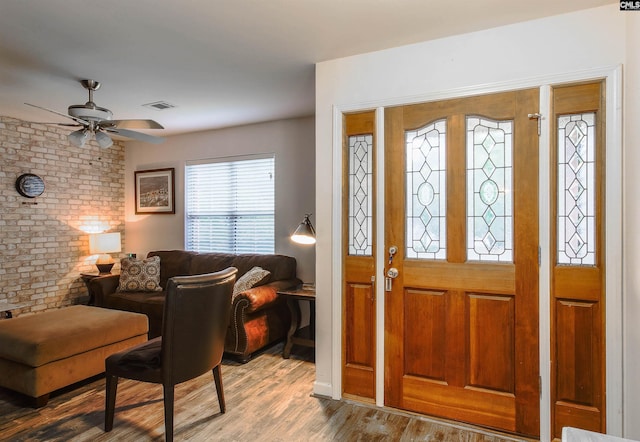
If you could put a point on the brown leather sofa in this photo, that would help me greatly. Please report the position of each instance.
(259, 316)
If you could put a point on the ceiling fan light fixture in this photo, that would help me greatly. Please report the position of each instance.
(79, 137)
(97, 121)
(104, 140)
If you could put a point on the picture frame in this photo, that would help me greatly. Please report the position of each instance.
(155, 191)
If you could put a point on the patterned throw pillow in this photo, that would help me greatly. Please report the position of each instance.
(140, 276)
(252, 278)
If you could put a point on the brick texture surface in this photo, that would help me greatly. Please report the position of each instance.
(44, 241)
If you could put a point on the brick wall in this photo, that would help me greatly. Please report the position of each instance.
(44, 242)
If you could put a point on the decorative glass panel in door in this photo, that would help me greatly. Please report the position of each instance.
(576, 189)
(360, 194)
(489, 195)
(426, 230)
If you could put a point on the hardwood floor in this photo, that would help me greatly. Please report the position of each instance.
(268, 399)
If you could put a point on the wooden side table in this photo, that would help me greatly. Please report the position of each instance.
(87, 277)
(307, 335)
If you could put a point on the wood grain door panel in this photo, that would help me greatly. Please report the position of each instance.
(577, 351)
(426, 341)
(491, 361)
(359, 363)
(461, 336)
(358, 282)
(578, 296)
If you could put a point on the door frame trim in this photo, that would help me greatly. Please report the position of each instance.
(613, 248)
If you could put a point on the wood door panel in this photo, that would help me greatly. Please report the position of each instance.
(579, 98)
(498, 106)
(576, 348)
(358, 286)
(465, 404)
(359, 315)
(497, 278)
(491, 361)
(360, 381)
(578, 288)
(587, 285)
(361, 268)
(577, 416)
(478, 318)
(425, 341)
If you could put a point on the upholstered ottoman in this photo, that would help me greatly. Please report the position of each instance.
(46, 351)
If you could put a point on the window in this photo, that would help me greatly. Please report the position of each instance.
(230, 205)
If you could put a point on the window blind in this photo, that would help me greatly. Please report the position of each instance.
(230, 206)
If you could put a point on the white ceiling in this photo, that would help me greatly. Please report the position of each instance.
(220, 62)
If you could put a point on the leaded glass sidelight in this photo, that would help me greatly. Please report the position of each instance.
(489, 184)
(360, 194)
(426, 227)
(576, 189)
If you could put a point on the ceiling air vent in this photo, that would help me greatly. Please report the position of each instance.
(159, 105)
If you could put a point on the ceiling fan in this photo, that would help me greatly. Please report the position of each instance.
(97, 122)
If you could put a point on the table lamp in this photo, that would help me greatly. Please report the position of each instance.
(305, 233)
(103, 244)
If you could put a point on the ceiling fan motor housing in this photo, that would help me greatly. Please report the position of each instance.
(94, 113)
(89, 111)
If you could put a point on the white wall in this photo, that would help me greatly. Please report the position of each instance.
(293, 143)
(566, 44)
(631, 275)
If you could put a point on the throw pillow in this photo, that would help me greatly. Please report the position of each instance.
(252, 278)
(140, 276)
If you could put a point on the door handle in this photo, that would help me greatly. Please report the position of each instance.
(392, 273)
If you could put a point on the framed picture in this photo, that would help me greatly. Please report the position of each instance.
(155, 191)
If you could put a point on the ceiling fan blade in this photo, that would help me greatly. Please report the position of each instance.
(131, 124)
(135, 135)
(56, 124)
(76, 119)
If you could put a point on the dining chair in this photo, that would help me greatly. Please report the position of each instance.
(195, 319)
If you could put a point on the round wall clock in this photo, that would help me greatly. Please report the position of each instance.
(29, 185)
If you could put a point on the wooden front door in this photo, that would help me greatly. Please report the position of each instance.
(461, 206)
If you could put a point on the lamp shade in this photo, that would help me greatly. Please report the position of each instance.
(103, 140)
(104, 243)
(79, 137)
(305, 233)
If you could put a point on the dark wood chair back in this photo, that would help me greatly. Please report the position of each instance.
(196, 316)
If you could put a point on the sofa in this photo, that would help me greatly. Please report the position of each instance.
(259, 316)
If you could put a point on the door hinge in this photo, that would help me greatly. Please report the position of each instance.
(538, 117)
(540, 386)
(539, 256)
